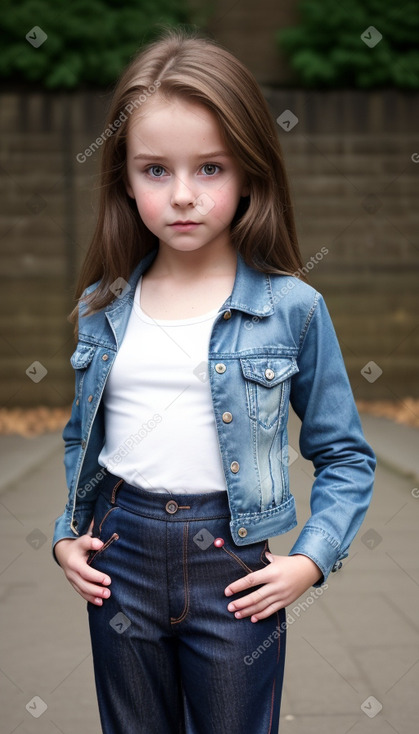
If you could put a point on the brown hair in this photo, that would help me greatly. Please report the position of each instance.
(188, 65)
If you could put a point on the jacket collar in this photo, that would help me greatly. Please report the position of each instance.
(252, 289)
(252, 294)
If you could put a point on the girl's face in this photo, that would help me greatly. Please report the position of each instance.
(184, 180)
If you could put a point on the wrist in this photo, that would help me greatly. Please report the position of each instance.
(314, 573)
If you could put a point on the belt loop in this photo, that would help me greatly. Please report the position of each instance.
(114, 491)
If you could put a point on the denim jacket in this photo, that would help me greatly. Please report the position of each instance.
(272, 344)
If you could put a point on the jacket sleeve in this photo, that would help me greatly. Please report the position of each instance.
(331, 437)
(72, 442)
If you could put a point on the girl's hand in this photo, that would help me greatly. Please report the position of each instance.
(285, 579)
(72, 556)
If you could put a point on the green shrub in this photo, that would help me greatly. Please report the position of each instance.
(88, 41)
(326, 49)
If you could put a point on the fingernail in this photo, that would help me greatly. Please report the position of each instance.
(98, 601)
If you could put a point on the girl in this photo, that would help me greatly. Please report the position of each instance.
(195, 333)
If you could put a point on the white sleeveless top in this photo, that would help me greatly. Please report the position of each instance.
(160, 431)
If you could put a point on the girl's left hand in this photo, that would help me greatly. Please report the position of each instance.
(285, 579)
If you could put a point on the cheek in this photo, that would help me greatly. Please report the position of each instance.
(226, 203)
(148, 206)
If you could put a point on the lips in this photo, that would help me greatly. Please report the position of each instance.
(185, 226)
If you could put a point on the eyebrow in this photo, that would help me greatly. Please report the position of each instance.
(215, 154)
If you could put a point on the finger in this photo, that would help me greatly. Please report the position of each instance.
(93, 599)
(86, 589)
(249, 609)
(251, 579)
(270, 609)
(252, 598)
(92, 575)
(86, 543)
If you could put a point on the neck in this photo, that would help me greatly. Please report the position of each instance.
(206, 262)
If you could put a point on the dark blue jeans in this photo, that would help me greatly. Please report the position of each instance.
(168, 655)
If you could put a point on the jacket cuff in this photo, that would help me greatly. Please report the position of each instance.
(324, 550)
(62, 530)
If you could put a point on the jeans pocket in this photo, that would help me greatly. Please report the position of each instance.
(249, 557)
(102, 529)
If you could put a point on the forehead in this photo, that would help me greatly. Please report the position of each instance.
(168, 121)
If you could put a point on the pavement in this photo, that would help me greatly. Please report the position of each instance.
(352, 650)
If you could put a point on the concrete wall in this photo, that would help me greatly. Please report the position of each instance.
(354, 183)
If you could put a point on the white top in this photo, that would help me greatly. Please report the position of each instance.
(160, 431)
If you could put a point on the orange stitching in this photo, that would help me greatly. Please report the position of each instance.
(265, 549)
(114, 491)
(236, 558)
(173, 620)
(104, 518)
(113, 537)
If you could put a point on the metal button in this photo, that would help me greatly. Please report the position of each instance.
(220, 368)
(227, 417)
(269, 374)
(234, 466)
(242, 532)
(172, 507)
(90, 398)
(83, 444)
(227, 315)
(105, 357)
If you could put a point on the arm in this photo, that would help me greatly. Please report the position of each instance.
(332, 438)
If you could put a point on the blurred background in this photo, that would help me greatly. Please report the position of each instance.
(342, 82)
(347, 72)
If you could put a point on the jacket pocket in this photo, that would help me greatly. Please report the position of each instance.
(268, 382)
(80, 360)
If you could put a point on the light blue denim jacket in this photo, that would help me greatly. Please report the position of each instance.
(272, 344)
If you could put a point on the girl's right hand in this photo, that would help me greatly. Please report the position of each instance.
(72, 556)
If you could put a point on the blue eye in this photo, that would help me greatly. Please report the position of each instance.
(211, 166)
(156, 171)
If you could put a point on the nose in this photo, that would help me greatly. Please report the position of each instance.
(182, 194)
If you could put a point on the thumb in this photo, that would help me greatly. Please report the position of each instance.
(90, 543)
(270, 557)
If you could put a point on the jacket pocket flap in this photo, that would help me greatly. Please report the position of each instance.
(268, 371)
(82, 356)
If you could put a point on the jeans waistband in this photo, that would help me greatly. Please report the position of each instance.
(175, 506)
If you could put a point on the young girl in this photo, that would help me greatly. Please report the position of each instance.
(195, 333)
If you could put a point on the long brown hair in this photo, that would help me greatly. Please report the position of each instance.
(183, 63)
